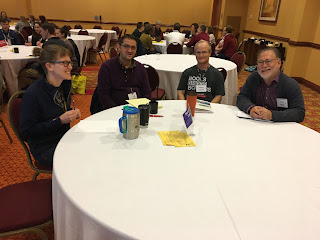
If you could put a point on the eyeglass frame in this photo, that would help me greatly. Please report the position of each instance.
(64, 63)
(126, 46)
(267, 61)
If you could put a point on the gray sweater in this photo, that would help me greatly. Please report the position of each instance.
(287, 88)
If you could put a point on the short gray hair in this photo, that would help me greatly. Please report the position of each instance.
(203, 41)
(273, 49)
(19, 26)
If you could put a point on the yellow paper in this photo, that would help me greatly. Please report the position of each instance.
(156, 42)
(176, 138)
(138, 101)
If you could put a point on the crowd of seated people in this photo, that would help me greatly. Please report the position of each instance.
(121, 78)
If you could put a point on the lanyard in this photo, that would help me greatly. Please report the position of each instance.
(6, 36)
(204, 74)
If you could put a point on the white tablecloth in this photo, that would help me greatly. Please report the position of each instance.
(97, 33)
(11, 63)
(171, 66)
(244, 180)
(83, 41)
(162, 47)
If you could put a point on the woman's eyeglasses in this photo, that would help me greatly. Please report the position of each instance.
(64, 63)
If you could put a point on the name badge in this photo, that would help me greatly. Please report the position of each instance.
(132, 95)
(282, 102)
(201, 88)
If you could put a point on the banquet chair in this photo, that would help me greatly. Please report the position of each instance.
(113, 42)
(77, 26)
(120, 34)
(169, 30)
(224, 73)
(115, 28)
(76, 50)
(240, 45)
(1, 110)
(112, 52)
(83, 32)
(239, 58)
(21, 38)
(174, 48)
(13, 113)
(42, 19)
(213, 47)
(26, 208)
(101, 46)
(156, 92)
(78, 70)
(97, 27)
(28, 30)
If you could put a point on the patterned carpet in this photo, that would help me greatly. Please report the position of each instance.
(13, 164)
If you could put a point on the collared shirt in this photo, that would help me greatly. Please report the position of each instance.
(266, 96)
(127, 70)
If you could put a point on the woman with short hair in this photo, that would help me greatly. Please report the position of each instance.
(46, 113)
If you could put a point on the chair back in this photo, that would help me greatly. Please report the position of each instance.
(169, 30)
(42, 19)
(239, 47)
(224, 73)
(13, 114)
(21, 38)
(68, 27)
(102, 41)
(174, 48)
(76, 50)
(112, 52)
(239, 59)
(28, 30)
(120, 34)
(79, 69)
(83, 32)
(152, 76)
(115, 28)
(213, 47)
(97, 27)
(1, 93)
(77, 26)
(125, 31)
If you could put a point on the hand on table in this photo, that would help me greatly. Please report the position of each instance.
(261, 113)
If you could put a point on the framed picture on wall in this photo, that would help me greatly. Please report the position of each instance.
(269, 10)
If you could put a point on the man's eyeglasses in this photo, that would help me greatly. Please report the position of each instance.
(267, 61)
(203, 52)
(64, 63)
(126, 46)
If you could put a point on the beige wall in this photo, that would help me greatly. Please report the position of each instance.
(298, 20)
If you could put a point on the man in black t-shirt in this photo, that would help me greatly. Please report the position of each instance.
(202, 78)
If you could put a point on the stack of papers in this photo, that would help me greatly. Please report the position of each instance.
(203, 106)
(176, 138)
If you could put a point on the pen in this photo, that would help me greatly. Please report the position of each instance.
(151, 115)
(74, 105)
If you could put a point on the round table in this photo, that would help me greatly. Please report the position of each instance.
(162, 47)
(171, 66)
(97, 33)
(244, 179)
(12, 63)
(83, 41)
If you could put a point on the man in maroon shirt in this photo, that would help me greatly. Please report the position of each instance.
(228, 46)
(201, 34)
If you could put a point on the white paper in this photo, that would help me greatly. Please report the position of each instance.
(107, 126)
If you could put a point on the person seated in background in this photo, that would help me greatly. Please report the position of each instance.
(4, 16)
(211, 36)
(45, 113)
(147, 40)
(138, 31)
(202, 78)
(228, 47)
(193, 31)
(269, 94)
(31, 20)
(62, 33)
(157, 34)
(24, 20)
(10, 36)
(48, 34)
(121, 78)
(175, 36)
(36, 36)
(201, 35)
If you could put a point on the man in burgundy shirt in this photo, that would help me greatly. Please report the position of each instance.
(122, 78)
(229, 45)
(201, 34)
(269, 94)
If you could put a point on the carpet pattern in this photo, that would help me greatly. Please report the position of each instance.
(13, 164)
